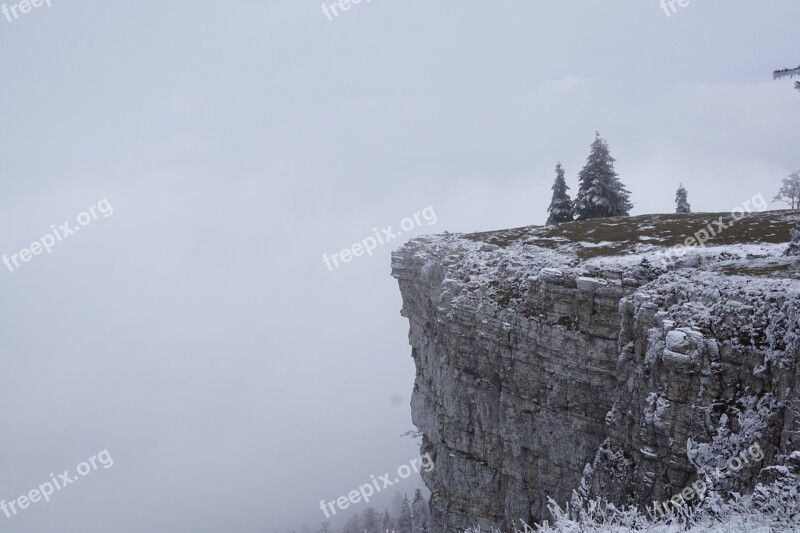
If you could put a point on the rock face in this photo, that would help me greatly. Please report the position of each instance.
(554, 364)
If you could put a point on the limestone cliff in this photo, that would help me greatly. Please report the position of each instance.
(570, 361)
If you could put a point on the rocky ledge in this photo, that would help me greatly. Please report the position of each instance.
(577, 362)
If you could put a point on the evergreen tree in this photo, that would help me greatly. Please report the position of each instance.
(419, 512)
(560, 205)
(353, 525)
(370, 520)
(405, 521)
(397, 503)
(681, 200)
(388, 523)
(600, 193)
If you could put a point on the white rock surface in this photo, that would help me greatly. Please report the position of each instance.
(528, 370)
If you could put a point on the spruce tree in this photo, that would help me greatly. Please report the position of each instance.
(388, 522)
(370, 520)
(405, 521)
(560, 205)
(419, 512)
(681, 200)
(600, 193)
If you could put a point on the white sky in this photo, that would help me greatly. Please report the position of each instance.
(196, 333)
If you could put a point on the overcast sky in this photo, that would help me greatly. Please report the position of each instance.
(196, 333)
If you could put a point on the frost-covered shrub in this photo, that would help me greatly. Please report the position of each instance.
(773, 507)
(794, 245)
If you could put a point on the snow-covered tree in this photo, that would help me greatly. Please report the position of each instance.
(560, 205)
(682, 201)
(600, 193)
(370, 520)
(405, 522)
(353, 524)
(397, 503)
(788, 73)
(789, 192)
(794, 244)
(388, 522)
(420, 512)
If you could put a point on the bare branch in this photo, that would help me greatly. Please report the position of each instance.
(413, 433)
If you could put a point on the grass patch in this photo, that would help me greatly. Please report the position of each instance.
(602, 237)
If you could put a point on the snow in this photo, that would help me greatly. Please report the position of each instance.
(589, 284)
(595, 244)
(771, 509)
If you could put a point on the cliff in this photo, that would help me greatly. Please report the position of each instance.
(580, 361)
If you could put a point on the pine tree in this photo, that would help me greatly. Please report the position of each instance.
(353, 525)
(388, 523)
(600, 193)
(419, 512)
(560, 205)
(681, 200)
(406, 523)
(370, 520)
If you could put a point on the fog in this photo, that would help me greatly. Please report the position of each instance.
(195, 334)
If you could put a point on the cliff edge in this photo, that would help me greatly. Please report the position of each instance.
(596, 359)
